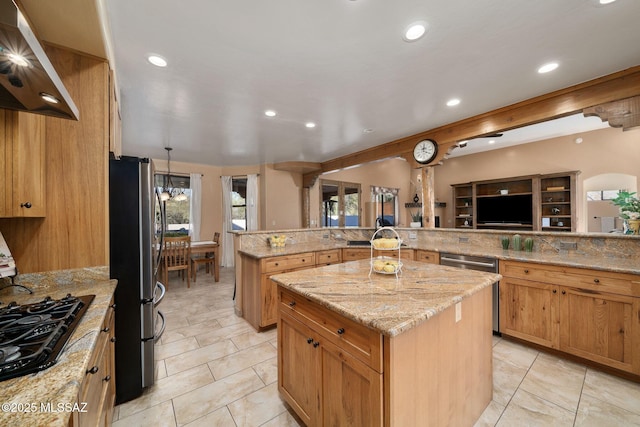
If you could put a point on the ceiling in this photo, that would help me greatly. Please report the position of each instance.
(341, 64)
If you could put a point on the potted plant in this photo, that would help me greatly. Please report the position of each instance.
(416, 219)
(629, 206)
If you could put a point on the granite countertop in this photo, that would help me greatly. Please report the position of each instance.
(59, 384)
(568, 259)
(383, 302)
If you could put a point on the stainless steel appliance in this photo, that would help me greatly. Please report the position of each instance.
(33, 335)
(134, 263)
(478, 263)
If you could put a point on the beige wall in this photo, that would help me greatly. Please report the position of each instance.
(602, 151)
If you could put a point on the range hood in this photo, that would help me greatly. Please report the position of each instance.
(28, 81)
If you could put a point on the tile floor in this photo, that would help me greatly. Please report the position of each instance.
(213, 369)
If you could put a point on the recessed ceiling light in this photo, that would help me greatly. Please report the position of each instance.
(453, 102)
(548, 67)
(18, 59)
(606, 1)
(492, 141)
(415, 31)
(270, 113)
(157, 60)
(578, 140)
(310, 124)
(367, 130)
(49, 98)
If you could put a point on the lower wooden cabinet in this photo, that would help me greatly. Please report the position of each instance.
(98, 388)
(325, 384)
(431, 257)
(587, 313)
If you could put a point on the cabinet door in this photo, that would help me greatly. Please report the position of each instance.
(24, 165)
(351, 391)
(299, 369)
(601, 327)
(268, 301)
(528, 310)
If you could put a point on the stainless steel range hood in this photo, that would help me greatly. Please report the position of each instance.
(27, 76)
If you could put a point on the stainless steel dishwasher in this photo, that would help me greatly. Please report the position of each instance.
(478, 263)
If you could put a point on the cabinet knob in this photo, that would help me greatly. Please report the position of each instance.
(26, 205)
(316, 344)
(92, 370)
(303, 260)
(277, 264)
(526, 271)
(113, 339)
(555, 291)
(292, 304)
(340, 331)
(564, 292)
(106, 329)
(107, 378)
(596, 280)
(113, 306)
(309, 340)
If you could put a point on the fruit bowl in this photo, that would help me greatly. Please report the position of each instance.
(386, 244)
(385, 265)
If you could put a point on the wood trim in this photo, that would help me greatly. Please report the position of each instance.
(613, 87)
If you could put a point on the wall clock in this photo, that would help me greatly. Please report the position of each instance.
(425, 151)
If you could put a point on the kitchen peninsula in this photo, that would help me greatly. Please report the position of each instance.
(374, 349)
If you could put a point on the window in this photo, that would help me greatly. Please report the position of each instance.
(239, 203)
(386, 203)
(177, 212)
(339, 204)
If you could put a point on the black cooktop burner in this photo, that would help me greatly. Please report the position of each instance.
(33, 335)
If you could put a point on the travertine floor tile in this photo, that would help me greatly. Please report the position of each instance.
(525, 409)
(596, 413)
(223, 333)
(506, 380)
(268, 370)
(218, 418)
(240, 360)
(617, 391)
(159, 415)
(257, 407)
(490, 415)
(189, 331)
(199, 356)
(563, 387)
(251, 339)
(199, 402)
(162, 351)
(514, 354)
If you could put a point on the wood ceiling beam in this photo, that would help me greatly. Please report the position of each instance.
(564, 102)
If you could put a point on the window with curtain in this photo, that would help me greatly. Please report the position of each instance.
(386, 205)
(239, 203)
(177, 212)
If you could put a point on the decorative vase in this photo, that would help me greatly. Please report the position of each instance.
(528, 244)
(634, 226)
(505, 242)
(415, 224)
(517, 242)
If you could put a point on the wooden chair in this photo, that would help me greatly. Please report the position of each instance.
(176, 252)
(208, 260)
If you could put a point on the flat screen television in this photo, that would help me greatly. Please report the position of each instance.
(515, 209)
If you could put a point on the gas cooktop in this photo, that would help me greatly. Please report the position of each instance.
(33, 335)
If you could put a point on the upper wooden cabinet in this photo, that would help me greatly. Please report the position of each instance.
(528, 203)
(115, 119)
(22, 164)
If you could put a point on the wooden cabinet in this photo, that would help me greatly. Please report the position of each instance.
(317, 371)
(22, 164)
(430, 257)
(98, 388)
(259, 296)
(591, 314)
(328, 257)
(353, 254)
(115, 119)
(534, 202)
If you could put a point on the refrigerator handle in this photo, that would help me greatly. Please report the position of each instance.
(163, 291)
(164, 324)
(162, 227)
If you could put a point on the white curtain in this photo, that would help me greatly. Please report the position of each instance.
(195, 183)
(228, 259)
(252, 202)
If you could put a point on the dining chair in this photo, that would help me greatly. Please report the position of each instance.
(208, 259)
(176, 252)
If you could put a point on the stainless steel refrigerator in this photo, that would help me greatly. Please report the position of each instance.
(134, 259)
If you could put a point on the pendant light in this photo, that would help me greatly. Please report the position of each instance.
(166, 191)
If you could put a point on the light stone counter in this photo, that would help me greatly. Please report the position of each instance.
(59, 384)
(383, 302)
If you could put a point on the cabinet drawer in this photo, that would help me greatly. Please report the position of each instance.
(428, 256)
(404, 254)
(288, 262)
(361, 342)
(332, 256)
(594, 280)
(352, 254)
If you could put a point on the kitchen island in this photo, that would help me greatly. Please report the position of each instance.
(361, 349)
